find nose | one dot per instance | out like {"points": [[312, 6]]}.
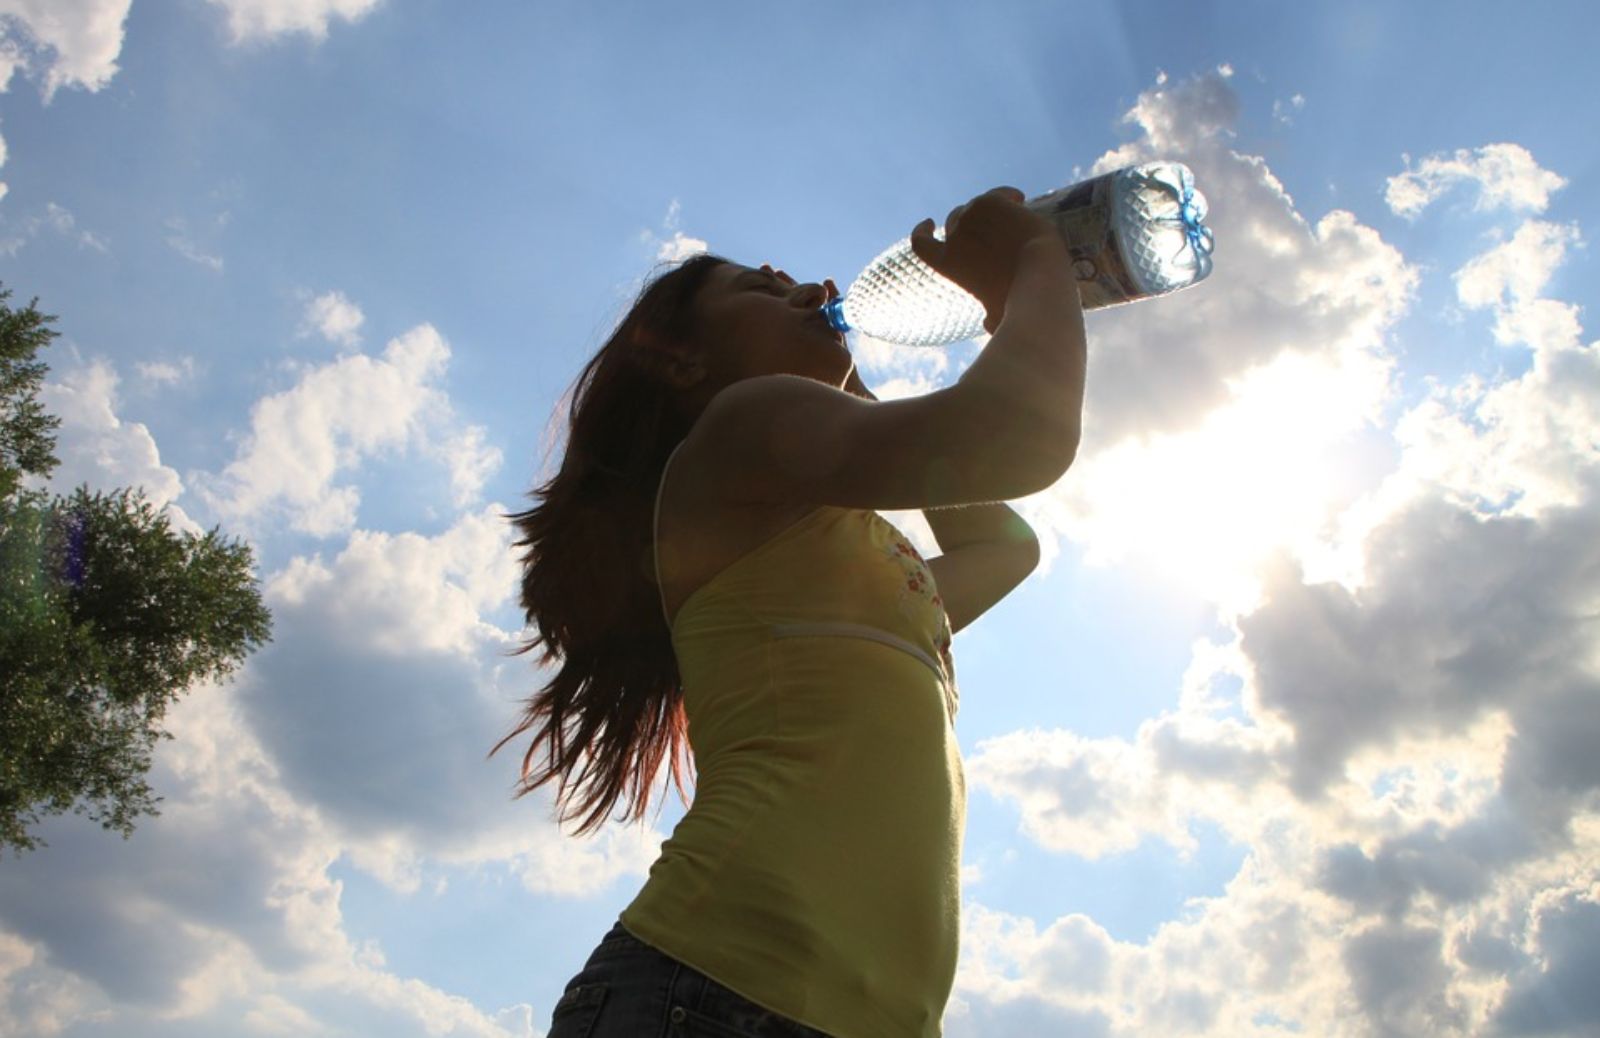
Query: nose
{"points": [[809, 296]]}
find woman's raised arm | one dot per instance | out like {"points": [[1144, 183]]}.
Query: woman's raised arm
{"points": [[1007, 428]]}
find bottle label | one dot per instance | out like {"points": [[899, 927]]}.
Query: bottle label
{"points": [[1083, 214]]}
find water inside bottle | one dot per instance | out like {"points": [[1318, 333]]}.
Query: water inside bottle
{"points": [[1133, 233]]}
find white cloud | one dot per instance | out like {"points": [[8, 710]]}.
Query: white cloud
{"points": [[182, 241], [408, 592], [57, 219], [1406, 751], [167, 373], [65, 224], [1522, 446], [11, 60], [388, 647], [1555, 989], [1430, 644], [1180, 119], [1067, 967], [336, 417], [1094, 798], [1440, 729], [1505, 174], [393, 632], [98, 448], [1417, 671], [1281, 109], [1275, 954], [469, 459], [893, 371], [34, 998], [336, 318], [399, 619], [357, 737], [64, 44], [268, 19], [59, 44], [1280, 285], [678, 246], [1509, 277], [1220, 971], [1455, 689], [1206, 507], [1519, 268], [1226, 421], [1081, 796], [243, 935]]}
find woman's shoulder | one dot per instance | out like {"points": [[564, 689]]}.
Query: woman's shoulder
{"points": [[695, 491], [700, 530]]}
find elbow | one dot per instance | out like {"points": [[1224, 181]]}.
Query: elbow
{"points": [[1070, 455], [1019, 450], [1020, 467], [1048, 459], [1028, 554], [1067, 452]]}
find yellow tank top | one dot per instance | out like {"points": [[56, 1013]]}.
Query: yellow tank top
{"points": [[817, 870]]}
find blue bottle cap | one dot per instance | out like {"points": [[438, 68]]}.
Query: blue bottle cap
{"points": [[833, 309]]}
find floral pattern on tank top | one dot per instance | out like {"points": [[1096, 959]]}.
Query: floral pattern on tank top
{"points": [[919, 584]]}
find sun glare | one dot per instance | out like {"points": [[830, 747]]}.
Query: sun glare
{"points": [[1265, 474]]}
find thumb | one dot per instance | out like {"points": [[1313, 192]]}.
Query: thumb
{"points": [[924, 245]]}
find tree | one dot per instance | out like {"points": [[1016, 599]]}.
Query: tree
{"points": [[27, 434], [107, 616]]}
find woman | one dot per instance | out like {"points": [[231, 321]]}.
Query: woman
{"points": [[708, 562]]}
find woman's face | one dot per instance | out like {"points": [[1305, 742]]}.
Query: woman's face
{"points": [[758, 321]]}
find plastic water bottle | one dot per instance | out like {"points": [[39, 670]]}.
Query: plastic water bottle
{"points": [[1133, 233]]}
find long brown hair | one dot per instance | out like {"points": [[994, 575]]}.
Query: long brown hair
{"points": [[588, 582]]}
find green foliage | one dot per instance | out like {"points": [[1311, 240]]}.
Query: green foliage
{"points": [[27, 434], [107, 616]]}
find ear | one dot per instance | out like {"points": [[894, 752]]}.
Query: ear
{"points": [[682, 370], [681, 367]]}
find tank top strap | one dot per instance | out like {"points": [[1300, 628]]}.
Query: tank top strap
{"points": [[655, 531]]}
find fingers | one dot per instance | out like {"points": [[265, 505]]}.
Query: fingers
{"points": [[924, 245], [955, 216]]}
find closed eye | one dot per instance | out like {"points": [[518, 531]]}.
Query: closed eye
{"points": [[770, 284], [765, 281]]}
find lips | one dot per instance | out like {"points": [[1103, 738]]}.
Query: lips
{"points": [[821, 320]]}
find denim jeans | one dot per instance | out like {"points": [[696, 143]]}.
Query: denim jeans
{"points": [[628, 989]]}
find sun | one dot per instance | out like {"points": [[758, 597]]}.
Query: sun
{"points": [[1266, 473]]}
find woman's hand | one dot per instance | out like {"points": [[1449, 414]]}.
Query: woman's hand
{"points": [[983, 242]]}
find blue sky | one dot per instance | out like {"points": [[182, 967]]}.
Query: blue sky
{"points": [[1291, 735]]}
